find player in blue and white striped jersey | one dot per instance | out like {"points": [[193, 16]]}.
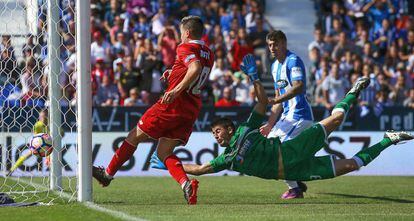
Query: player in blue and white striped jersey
{"points": [[289, 75]]}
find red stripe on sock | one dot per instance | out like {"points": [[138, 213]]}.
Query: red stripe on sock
{"points": [[122, 155], [175, 168]]}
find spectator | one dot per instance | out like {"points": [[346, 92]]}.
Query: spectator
{"points": [[408, 47], [6, 45], [9, 70], [117, 27], [30, 48], [227, 100], [240, 87], [227, 19], [217, 74], [252, 17], [391, 61], [241, 47], [251, 100], [129, 78], [32, 84], [346, 65], [319, 42], [341, 47], [397, 94], [409, 101], [379, 12], [339, 17], [384, 36], [159, 20], [110, 17], [334, 87], [122, 44], [99, 71], [148, 62], [133, 99], [382, 102], [354, 8], [258, 37], [367, 97], [100, 48], [107, 93], [142, 27], [167, 44]]}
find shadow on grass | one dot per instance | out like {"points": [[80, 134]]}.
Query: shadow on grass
{"points": [[369, 197]]}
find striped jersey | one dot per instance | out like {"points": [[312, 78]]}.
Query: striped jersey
{"points": [[292, 69]]}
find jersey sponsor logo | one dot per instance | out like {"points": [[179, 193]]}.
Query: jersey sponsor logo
{"points": [[140, 122], [189, 57], [205, 54], [296, 72], [281, 84]]}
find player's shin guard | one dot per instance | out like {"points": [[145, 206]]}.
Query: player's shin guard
{"points": [[365, 156], [345, 104], [123, 154], [175, 168]]}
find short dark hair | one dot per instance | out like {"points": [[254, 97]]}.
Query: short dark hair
{"points": [[194, 24], [276, 35], [224, 122]]}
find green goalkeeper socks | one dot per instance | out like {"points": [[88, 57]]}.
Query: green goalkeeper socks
{"points": [[369, 154], [345, 104]]}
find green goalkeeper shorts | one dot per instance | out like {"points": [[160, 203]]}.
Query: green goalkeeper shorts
{"points": [[299, 160]]}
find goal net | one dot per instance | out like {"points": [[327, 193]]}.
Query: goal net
{"points": [[38, 93]]}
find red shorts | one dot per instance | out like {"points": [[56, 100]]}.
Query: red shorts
{"points": [[163, 120]]}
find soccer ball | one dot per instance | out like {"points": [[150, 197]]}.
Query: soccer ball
{"points": [[41, 145]]}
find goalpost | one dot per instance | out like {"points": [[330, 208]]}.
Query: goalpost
{"points": [[44, 70]]}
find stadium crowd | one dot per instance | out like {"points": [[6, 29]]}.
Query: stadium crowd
{"points": [[354, 38], [134, 42]]}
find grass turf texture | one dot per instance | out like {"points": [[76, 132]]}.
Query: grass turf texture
{"points": [[239, 198]]}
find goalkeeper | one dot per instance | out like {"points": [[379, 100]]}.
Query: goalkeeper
{"points": [[248, 152]]}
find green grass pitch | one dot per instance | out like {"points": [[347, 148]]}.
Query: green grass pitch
{"points": [[238, 198]]}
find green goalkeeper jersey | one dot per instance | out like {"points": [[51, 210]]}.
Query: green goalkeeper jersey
{"points": [[249, 152]]}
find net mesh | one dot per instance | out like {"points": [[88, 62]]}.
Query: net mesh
{"points": [[24, 98]]}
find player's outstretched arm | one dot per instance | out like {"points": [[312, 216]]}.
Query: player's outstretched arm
{"points": [[194, 70], [198, 170], [249, 67], [192, 169]]}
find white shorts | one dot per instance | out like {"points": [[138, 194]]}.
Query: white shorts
{"points": [[287, 129]]}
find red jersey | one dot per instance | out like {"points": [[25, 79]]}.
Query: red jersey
{"points": [[194, 50], [175, 120]]}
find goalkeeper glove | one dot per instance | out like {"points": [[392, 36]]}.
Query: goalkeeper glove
{"points": [[249, 67], [156, 162]]}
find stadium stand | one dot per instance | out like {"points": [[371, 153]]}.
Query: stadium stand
{"points": [[354, 38], [133, 42]]}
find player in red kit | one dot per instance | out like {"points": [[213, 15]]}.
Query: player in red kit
{"points": [[171, 119]]}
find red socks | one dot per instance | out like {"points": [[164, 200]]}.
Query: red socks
{"points": [[121, 156], [176, 169]]}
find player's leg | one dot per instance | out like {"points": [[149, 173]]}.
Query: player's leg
{"points": [[126, 150], [366, 155], [286, 130], [165, 150], [341, 109], [122, 154], [325, 167]]}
